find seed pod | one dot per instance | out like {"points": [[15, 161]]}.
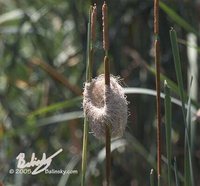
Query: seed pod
{"points": [[105, 105], [93, 22]]}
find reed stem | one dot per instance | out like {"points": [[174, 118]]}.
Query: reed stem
{"points": [[88, 79], [107, 85], [157, 63]]}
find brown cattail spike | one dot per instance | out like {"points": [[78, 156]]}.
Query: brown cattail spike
{"points": [[105, 26], [156, 17], [93, 22]]}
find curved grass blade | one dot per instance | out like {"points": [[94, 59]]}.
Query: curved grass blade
{"points": [[60, 118], [56, 107], [151, 92], [175, 17], [173, 86], [70, 166]]}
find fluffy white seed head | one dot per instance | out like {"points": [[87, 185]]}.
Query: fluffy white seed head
{"points": [[105, 105]]}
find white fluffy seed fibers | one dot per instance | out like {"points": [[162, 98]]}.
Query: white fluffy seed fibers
{"points": [[105, 105]]}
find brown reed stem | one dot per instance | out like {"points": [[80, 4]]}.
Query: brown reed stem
{"points": [[108, 155], [107, 83], [157, 63], [107, 70], [107, 126]]}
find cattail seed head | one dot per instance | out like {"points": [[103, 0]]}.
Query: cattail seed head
{"points": [[93, 22], [105, 105], [105, 26]]}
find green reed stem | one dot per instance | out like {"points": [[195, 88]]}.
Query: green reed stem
{"points": [[88, 79], [168, 126]]}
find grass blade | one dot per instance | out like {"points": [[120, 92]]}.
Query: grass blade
{"points": [[56, 107], [189, 179], [173, 86], [151, 92], [178, 19], [176, 172], [58, 118], [177, 63], [70, 166], [168, 126], [187, 159]]}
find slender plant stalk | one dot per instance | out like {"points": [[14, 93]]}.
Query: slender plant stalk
{"points": [[84, 152], [188, 157], [107, 70], [152, 178], [168, 127], [176, 172], [88, 79], [107, 83], [108, 141], [108, 155], [157, 63]]}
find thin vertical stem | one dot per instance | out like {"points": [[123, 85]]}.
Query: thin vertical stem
{"points": [[176, 172], [168, 127], [88, 79], [107, 85], [107, 126], [84, 152], [157, 63], [107, 70], [108, 153], [152, 178]]}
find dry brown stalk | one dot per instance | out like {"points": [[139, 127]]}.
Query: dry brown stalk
{"points": [[107, 70], [157, 63], [57, 76]]}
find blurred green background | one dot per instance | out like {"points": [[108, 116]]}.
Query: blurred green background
{"points": [[42, 73]]}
